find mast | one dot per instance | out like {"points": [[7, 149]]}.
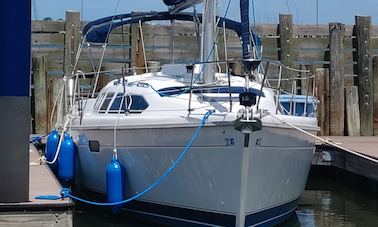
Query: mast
{"points": [[208, 40], [245, 36]]}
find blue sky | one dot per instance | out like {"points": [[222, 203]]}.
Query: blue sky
{"points": [[267, 11]]}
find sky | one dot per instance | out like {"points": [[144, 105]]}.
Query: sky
{"points": [[266, 11]]}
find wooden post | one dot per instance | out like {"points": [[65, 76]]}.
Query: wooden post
{"points": [[364, 72], [53, 94], [172, 42], [322, 85], [336, 78], [136, 48], [71, 41], [303, 82], [39, 64], [71, 44], [311, 81], [103, 80], [375, 80], [286, 54], [352, 113]]}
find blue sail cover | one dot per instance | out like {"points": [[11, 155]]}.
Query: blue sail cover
{"points": [[172, 2], [179, 5], [97, 31], [244, 14]]}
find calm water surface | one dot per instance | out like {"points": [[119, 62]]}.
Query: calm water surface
{"points": [[332, 199]]}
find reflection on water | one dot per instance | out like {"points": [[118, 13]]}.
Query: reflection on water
{"points": [[332, 199], [340, 199]]}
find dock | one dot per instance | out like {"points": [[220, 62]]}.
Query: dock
{"points": [[356, 154], [38, 212]]}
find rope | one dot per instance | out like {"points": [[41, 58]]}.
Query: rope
{"points": [[115, 151], [326, 141], [65, 192], [59, 144], [60, 95], [39, 138]]}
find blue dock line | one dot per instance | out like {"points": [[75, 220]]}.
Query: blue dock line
{"points": [[66, 192], [39, 138]]}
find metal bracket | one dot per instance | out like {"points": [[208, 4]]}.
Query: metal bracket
{"points": [[248, 126]]}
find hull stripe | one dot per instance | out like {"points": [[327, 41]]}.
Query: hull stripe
{"points": [[189, 217], [180, 213], [271, 216]]}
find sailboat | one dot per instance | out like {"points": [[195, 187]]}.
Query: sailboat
{"points": [[249, 163]]}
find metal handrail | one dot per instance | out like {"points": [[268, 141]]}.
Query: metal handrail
{"points": [[264, 79]]}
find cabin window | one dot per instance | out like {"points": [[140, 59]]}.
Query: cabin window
{"points": [[106, 102], [116, 105], [99, 101], [138, 104]]}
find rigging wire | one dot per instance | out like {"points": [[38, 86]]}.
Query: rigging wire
{"points": [[288, 7], [105, 45], [253, 14], [317, 47], [211, 52]]}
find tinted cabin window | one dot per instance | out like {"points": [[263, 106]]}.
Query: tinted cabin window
{"points": [[106, 102], [138, 104], [99, 101], [115, 107]]}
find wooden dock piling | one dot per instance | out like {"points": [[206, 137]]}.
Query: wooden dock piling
{"points": [[322, 82], [364, 72], [375, 89], [352, 112], [39, 67], [71, 41], [336, 78], [286, 48], [136, 50]]}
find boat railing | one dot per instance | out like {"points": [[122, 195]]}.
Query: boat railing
{"points": [[297, 77], [260, 74]]}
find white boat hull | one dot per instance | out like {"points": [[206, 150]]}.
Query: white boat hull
{"points": [[211, 179]]}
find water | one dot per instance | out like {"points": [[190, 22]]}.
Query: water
{"points": [[332, 198], [335, 198]]}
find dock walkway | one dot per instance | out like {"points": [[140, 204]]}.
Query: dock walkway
{"points": [[38, 212], [359, 154]]}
